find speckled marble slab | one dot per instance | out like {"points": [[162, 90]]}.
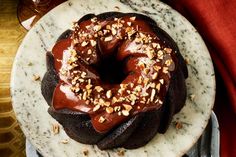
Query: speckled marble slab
{"points": [[31, 108]]}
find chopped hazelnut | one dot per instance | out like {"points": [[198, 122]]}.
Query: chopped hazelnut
{"points": [[158, 86], [161, 81], [168, 50], [132, 18], [125, 112], [109, 110], [83, 74], [117, 108], [84, 43], [93, 42], [146, 71], [154, 76], [55, 129], [85, 152], [109, 38], [36, 77], [98, 88], [157, 68], [97, 28], [113, 31], [65, 141], [152, 95], [89, 52], [117, 8], [97, 107], [127, 107], [168, 62], [165, 70], [107, 103], [101, 119], [109, 94]]}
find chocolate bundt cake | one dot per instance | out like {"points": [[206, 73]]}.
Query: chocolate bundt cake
{"points": [[114, 80]]}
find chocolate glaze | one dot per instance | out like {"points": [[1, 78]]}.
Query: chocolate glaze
{"points": [[125, 48], [146, 122]]}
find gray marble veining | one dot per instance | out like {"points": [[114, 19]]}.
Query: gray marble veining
{"points": [[31, 108]]}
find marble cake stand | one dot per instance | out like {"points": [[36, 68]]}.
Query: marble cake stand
{"points": [[31, 108]]}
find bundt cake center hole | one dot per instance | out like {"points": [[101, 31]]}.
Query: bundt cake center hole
{"points": [[111, 70]]}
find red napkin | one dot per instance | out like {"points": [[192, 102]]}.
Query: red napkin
{"points": [[216, 22]]}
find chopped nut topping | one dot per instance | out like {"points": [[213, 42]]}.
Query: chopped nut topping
{"points": [[114, 99], [117, 8], [89, 52], [88, 86], [65, 141], [127, 107], [98, 88], [165, 70], [109, 110], [85, 152], [161, 81], [83, 74], [97, 28], [109, 94], [109, 38], [129, 23], [36, 77], [146, 71], [107, 103], [168, 62], [120, 152], [101, 119], [55, 129], [93, 42], [84, 95], [138, 88], [155, 45], [153, 85], [108, 27], [105, 31], [97, 107], [84, 43], [132, 18], [157, 68], [152, 95], [154, 76], [150, 54], [101, 101], [168, 50], [158, 86], [140, 80], [160, 54], [146, 80], [117, 108], [81, 80], [125, 112], [94, 19], [113, 31], [160, 102]]}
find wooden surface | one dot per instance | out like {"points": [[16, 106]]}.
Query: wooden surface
{"points": [[11, 34]]}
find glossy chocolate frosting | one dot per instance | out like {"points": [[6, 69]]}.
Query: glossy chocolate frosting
{"points": [[132, 44]]}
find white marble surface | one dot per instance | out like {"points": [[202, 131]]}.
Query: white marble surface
{"points": [[31, 108]]}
